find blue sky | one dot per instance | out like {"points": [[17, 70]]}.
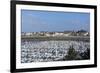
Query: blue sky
{"points": [[36, 21]]}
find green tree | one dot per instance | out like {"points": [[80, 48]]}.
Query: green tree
{"points": [[71, 54]]}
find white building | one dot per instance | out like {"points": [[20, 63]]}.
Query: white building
{"points": [[28, 34]]}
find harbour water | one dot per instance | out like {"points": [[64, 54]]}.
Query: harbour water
{"points": [[46, 51]]}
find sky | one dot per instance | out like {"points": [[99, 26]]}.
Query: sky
{"points": [[52, 21]]}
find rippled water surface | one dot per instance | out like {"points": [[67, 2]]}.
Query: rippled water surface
{"points": [[45, 51]]}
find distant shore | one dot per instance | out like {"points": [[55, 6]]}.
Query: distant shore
{"points": [[44, 38]]}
